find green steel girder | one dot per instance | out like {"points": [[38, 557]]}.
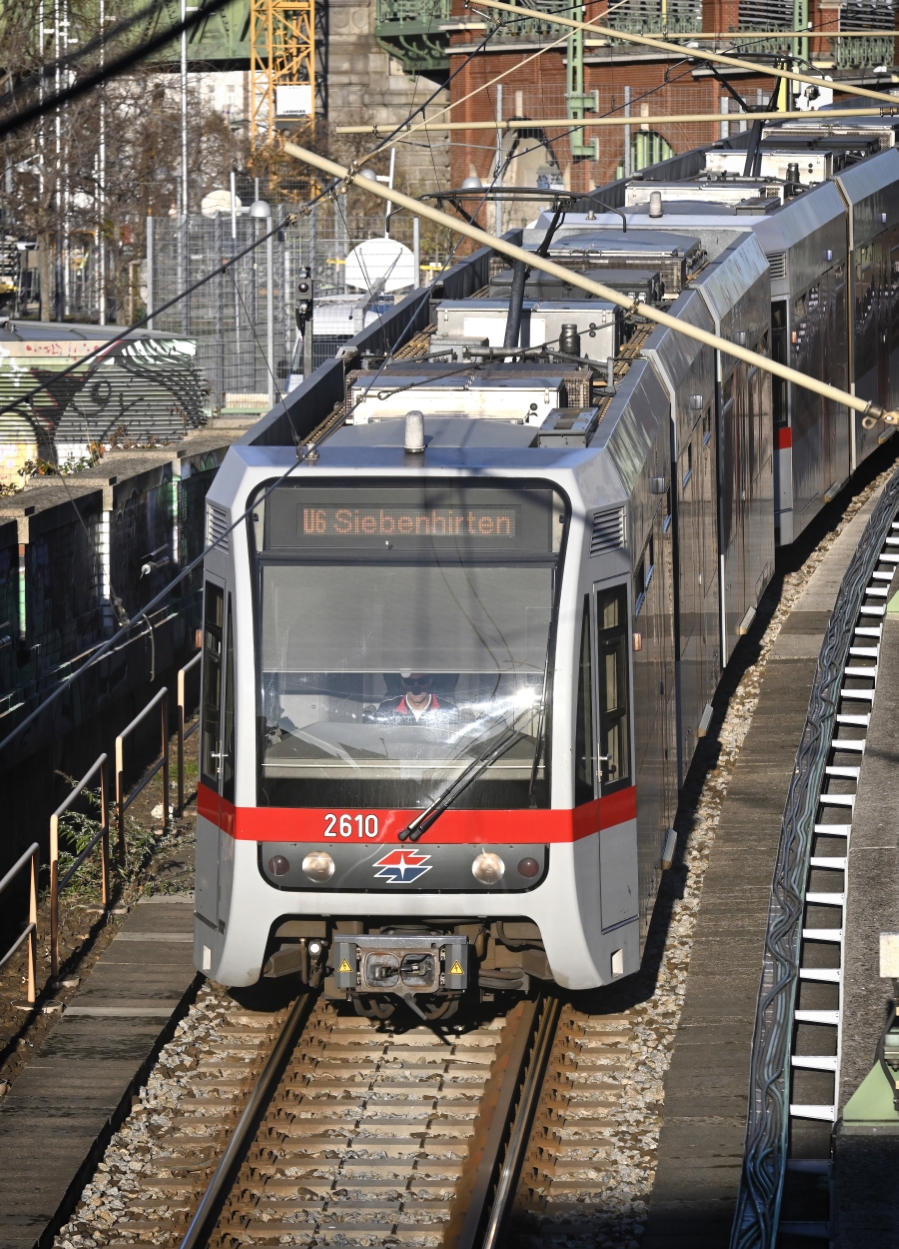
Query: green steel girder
{"points": [[409, 30]]}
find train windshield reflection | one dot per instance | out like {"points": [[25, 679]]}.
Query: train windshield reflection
{"points": [[388, 667]]}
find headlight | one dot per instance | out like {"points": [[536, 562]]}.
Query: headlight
{"points": [[279, 866], [318, 866], [488, 868]]}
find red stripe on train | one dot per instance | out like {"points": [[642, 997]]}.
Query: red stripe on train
{"points": [[459, 827], [784, 437]]}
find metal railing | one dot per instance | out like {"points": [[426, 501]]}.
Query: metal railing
{"points": [[123, 802], [32, 855], [101, 837], [765, 1151], [184, 734]]}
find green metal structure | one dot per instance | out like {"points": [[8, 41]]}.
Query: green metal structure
{"points": [[410, 31]]}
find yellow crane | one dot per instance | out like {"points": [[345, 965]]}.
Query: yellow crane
{"points": [[282, 67]]}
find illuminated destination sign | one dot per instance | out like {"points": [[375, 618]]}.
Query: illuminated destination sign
{"points": [[415, 521], [471, 523]]}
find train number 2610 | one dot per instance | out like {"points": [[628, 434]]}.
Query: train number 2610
{"points": [[347, 825]]}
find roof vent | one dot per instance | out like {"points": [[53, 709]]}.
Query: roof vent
{"points": [[608, 532], [777, 263], [216, 526]]}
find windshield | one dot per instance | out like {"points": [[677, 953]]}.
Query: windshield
{"points": [[404, 630]]}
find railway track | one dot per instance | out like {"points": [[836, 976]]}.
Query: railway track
{"points": [[531, 1128], [317, 1125]]}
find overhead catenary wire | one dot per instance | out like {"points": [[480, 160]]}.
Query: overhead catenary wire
{"points": [[580, 281], [72, 60], [551, 123], [112, 68]]}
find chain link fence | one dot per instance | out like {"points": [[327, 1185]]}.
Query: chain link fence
{"points": [[243, 321]]}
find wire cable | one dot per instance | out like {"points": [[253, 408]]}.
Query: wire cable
{"points": [[72, 59], [112, 69]]}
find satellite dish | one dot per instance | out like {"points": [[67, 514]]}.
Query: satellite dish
{"points": [[378, 260], [218, 201]]}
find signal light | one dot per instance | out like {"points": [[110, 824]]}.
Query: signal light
{"points": [[279, 866], [528, 868], [305, 297]]}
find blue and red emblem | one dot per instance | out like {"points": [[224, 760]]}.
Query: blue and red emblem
{"points": [[401, 867]]}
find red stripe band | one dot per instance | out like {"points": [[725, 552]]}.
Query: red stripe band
{"points": [[454, 827]]}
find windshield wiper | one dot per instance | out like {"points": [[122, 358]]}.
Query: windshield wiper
{"points": [[420, 825]]}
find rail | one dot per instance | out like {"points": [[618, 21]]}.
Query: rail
{"points": [[202, 1223], [493, 1189], [184, 734], [765, 1152], [101, 837], [32, 855], [160, 700]]}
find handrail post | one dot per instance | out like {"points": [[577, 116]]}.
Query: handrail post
{"points": [[32, 919], [164, 719], [181, 704], [120, 798], [54, 896], [104, 843]]}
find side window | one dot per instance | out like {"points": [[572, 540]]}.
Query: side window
{"points": [[228, 722], [584, 751], [612, 659], [210, 746]]}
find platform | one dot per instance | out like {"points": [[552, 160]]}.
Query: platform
{"points": [[701, 1141], [70, 1094]]}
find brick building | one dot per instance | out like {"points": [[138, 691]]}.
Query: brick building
{"points": [[549, 73]]}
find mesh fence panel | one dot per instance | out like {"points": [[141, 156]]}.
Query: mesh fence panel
{"points": [[228, 317]]}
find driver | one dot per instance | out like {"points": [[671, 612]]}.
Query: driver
{"points": [[417, 701]]}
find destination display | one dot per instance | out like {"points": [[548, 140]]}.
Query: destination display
{"points": [[483, 522], [398, 521]]}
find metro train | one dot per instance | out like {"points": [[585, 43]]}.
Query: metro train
{"points": [[456, 663]]}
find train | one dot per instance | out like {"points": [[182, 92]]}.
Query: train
{"points": [[459, 650]]}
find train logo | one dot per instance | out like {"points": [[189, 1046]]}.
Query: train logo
{"points": [[401, 867]]}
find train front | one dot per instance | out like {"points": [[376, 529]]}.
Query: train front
{"points": [[387, 759]]}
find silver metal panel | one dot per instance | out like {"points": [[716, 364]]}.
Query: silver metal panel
{"points": [[737, 290], [871, 191], [811, 232], [635, 435], [805, 229], [688, 371]]}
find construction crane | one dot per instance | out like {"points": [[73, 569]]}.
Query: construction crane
{"points": [[282, 67]]}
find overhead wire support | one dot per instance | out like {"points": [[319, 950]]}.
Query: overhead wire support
{"points": [[869, 411]]}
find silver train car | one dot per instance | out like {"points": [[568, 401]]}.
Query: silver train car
{"points": [[458, 659]]}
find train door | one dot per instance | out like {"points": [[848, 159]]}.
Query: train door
{"points": [[708, 562], [216, 747], [883, 270], [610, 692], [837, 337], [732, 495], [689, 555], [892, 278]]}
